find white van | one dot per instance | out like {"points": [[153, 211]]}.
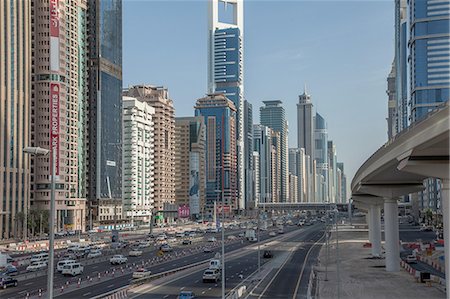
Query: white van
{"points": [[41, 257], [61, 264], [72, 269]]}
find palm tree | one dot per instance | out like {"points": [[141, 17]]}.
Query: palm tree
{"points": [[19, 218]]}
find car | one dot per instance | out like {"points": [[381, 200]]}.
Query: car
{"points": [[135, 253], [231, 237], [144, 244], [71, 233], [68, 256], [166, 248], [211, 275], [207, 250], [268, 254], [212, 239], [241, 235], [411, 259], [280, 231], [141, 273], [72, 269], [151, 235], [179, 235], [252, 239], [186, 242], [426, 229], [61, 234], [9, 270], [94, 254], [36, 266], [40, 257], [118, 259], [60, 265], [172, 240], [186, 295], [7, 281], [272, 234]]}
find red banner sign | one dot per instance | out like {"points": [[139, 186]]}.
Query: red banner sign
{"points": [[183, 211], [54, 18], [226, 209], [54, 123]]}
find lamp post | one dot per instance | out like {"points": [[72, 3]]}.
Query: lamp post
{"points": [[223, 243], [336, 215], [38, 151]]}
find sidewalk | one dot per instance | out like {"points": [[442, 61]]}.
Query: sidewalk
{"points": [[363, 277]]}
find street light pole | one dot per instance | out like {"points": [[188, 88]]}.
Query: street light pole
{"points": [[223, 246], [259, 247]]}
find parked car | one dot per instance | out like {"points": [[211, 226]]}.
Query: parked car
{"points": [[267, 254], [118, 259], [36, 266], [411, 259], [135, 253], [9, 270], [186, 295], [186, 242], [60, 265], [7, 281], [141, 273], [73, 269]]}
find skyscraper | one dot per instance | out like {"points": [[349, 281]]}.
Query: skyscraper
{"points": [[15, 105], [164, 120], [58, 104], [305, 124], [321, 156], [332, 171], [392, 104], [400, 65], [226, 68], [105, 107], [298, 168], [190, 179], [262, 144], [138, 161], [273, 116], [221, 160], [248, 147]]}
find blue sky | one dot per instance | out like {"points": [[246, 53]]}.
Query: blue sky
{"points": [[342, 51]]}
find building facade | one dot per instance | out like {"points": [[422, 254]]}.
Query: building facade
{"points": [[402, 114], [226, 69], [321, 157], [297, 167], [59, 99], [248, 155], [293, 188], [273, 115], [305, 124], [256, 185], [220, 116], [15, 127], [138, 161], [263, 145], [105, 111], [392, 104], [190, 179], [164, 139]]}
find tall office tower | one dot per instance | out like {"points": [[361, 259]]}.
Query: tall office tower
{"points": [[59, 89], [298, 168], [190, 179], [429, 70], [343, 182], [305, 124], [276, 166], [273, 116], [256, 183], [105, 109], [138, 161], [262, 144], [226, 69], [321, 155], [332, 169], [293, 188], [400, 65], [309, 180], [339, 186], [248, 155], [15, 97], [221, 160], [164, 120], [392, 104]]}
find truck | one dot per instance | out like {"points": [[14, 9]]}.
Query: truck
{"points": [[250, 234], [215, 263]]}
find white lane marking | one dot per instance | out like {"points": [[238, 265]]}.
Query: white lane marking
{"points": [[197, 280], [166, 296], [94, 267], [23, 292], [86, 294], [182, 288], [203, 292], [28, 283], [209, 289], [110, 286]]}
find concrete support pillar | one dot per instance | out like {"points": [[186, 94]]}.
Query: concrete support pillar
{"points": [[445, 202], [391, 235], [369, 226], [375, 223]]}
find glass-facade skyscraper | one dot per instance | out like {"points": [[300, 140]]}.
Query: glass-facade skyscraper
{"points": [[226, 70], [105, 103]]}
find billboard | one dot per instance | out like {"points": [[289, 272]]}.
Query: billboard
{"points": [[194, 182], [54, 123], [183, 211], [54, 35]]}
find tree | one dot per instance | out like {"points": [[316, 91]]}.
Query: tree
{"points": [[429, 216], [19, 219]]}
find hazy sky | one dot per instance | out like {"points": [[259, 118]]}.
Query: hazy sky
{"points": [[342, 51]]}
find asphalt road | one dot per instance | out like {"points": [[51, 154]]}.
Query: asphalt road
{"points": [[244, 265]]}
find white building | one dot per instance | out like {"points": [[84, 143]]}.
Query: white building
{"points": [[138, 160]]}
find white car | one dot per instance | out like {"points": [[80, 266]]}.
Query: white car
{"points": [[212, 239], [144, 244], [231, 237], [72, 269], [241, 235], [141, 273], [411, 259], [272, 234], [60, 265], [118, 259], [135, 253], [36, 266], [94, 254], [207, 250], [166, 248]]}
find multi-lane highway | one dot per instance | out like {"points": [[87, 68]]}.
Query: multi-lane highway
{"points": [[281, 282]]}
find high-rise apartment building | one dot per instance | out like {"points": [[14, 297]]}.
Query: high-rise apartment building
{"points": [[273, 115], [332, 171], [321, 156], [293, 188], [256, 185], [190, 179], [220, 116], [164, 121], [298, 168], [305, 124], [59, 100], [248, 155], [138, 161], [343, 183], [105, 110], [263, 145], [15, 105], [226, 69], [400, 65], [392, 104]]}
